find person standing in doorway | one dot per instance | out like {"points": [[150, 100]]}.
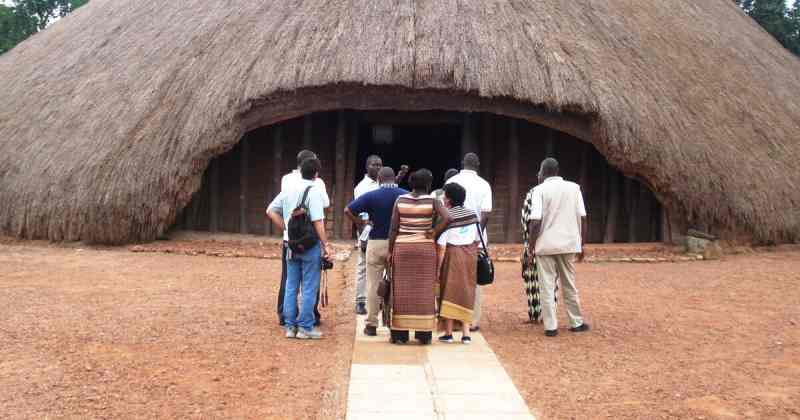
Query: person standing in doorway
{"points": [[303, 267], [478, 200], [289, 182], [557, 228], [379, 204], [368, 184]]}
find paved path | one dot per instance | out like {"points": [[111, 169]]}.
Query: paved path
{"points": [[439, 381]]}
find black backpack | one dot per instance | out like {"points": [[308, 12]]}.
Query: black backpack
{"points": [[302, 235]]}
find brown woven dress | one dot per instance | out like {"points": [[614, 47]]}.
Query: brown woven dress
{"points": [[414, 268]]}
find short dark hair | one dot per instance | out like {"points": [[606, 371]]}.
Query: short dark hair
{"points": [[303, 155], [455, 193], [421, 179], [450, 173], [471, 161], [309, 168]]}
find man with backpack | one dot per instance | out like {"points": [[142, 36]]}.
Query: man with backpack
{"points": [[300, 208]]}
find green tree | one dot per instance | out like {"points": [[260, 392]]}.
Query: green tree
{"points": [[24, 18], [773, 15]]}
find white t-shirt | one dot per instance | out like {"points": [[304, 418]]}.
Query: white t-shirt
{"points": [[292, 181], [559, 205], [479, 193], [463, 235], [366, 185]]}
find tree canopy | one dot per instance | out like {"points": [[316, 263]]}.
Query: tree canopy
{"points": [[23, 18], [776, 18]]}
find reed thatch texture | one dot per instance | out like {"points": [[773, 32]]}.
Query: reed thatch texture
{"points": [[110, 116]]}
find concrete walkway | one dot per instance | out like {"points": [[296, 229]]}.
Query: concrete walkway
{"points": [[439, 381]]}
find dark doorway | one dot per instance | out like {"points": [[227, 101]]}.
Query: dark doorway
{"points": [[433, 146]]}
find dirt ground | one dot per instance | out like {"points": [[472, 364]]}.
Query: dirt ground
{"points": [[699, 340], [116, 334]]}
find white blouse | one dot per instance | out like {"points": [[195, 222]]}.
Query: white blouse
{"points": [[463, 235]]}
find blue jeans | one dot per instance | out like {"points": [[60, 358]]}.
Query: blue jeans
{"points": [[302, 271]]}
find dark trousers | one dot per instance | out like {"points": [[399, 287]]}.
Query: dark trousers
{"points": [[282, 291]]}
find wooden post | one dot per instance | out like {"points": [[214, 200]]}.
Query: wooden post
{"points": [[468, 135], [613, 207], [513, 183], [549, 143], [213, 222], [277, 168], [340, 176], [632, 199], [487, 141], [244, 156], [307, 131], [351, 168]]}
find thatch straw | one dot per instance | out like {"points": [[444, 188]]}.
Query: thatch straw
{"points": [[109, 117]]}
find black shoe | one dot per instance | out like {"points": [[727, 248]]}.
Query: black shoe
{"points": [[361, 308], [580, 328], [317, 322], [371, 330], [466, 340], [551, 333], [446, 338], [475, 328]]}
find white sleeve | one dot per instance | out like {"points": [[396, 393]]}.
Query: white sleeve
{"points": [[277, 203], [486, 202], [442, 241], [536, 205], [285, 182], [581, 207], [326, 201]]}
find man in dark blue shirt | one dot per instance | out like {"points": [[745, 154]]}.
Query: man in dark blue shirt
{"points": [[379, 204]]}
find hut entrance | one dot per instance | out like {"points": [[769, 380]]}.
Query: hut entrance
{"points": [[239, 183], [432, 144]]}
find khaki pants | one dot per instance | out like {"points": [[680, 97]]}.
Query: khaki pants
{"points": [[549, 268], [377, 251]]}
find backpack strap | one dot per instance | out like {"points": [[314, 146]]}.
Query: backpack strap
{"points": [[302, 201]]}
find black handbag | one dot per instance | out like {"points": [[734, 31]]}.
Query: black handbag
{"points": [[485, 266]]}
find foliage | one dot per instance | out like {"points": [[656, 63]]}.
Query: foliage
{"points": [[776, 18], [24, 18]]}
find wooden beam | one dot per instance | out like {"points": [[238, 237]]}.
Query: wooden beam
{"points": [[340, 175], [549, 143], [277, 168], [244, 156], [411, 118], [351, 168], [613, 206], [468, 144], [632, 201], [487, 141], [308, 131], [213, 222], [513, 219]]}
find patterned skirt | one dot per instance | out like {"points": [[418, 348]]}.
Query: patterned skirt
{"points": [[459, 275], [413, 280]]}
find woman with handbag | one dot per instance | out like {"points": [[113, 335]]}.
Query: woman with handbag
{"points": [[458, 256], [412, 254]]}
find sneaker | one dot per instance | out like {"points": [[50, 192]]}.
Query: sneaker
{"points": [[475, 328], [466, 340], [361, 308], [446, 338], [580, 328], [370, 330], [551, 333], [291, 332], [312, 334]]}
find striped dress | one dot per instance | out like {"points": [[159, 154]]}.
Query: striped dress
{"points": [[414, 269]]}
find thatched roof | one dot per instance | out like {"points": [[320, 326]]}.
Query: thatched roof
{"points": [[109, 117]]}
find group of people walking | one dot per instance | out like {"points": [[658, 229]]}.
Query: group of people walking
{"points": [[425, 245]]}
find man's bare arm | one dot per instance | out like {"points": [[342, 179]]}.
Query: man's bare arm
{"points": [[276, 219], [484, 219], [533, 234], [319, 226]]}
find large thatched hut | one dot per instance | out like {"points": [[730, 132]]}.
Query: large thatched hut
{"points": [[129, 118]]}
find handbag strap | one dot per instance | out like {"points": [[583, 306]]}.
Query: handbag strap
{"points": [[480, 234]]}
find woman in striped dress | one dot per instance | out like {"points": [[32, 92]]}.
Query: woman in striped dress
{"points": [[413, 254]]}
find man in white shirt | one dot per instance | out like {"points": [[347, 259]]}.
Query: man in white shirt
{"points": [[558, 228], [479, 200], [289, 182], [369, 183]]}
